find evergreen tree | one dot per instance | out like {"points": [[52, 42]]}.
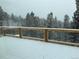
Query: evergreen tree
{"points": [[3, 16], [49, 20], [32, 14], [1, 13], [55, 23], [27, 19], [66, 21]]}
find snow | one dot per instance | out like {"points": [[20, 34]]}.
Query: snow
{"points": [[16, 48]]}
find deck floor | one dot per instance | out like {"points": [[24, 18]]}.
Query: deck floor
{"points": [[16, 48]]}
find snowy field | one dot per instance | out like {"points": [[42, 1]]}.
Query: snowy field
{"points": [[15, 48]]}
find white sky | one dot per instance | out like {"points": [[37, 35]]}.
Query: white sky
{"points": [[40, 7]]}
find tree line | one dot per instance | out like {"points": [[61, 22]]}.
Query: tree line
{"points": [[34, 21]]}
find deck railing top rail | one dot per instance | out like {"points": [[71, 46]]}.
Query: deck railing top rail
{"points": [[42, 28]]}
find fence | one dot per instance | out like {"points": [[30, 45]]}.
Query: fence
{"points": [[19, 30]]}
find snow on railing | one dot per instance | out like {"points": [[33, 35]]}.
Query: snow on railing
{"points": [[45, 30]]}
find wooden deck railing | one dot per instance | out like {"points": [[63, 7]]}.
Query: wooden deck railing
{"points": [[45, 30]]}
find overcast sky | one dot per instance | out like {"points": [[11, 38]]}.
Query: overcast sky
{"points": [[40, 7]]}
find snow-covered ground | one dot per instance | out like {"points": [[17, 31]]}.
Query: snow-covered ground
{"points": [[15, 48]]}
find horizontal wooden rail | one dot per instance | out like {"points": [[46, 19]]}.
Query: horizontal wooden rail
{"points": [[45, 30], [40, 28]]}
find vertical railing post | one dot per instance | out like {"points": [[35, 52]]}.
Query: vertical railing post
{"points": [[46, 35], [1, 31], [4, 31], [20, 32]]}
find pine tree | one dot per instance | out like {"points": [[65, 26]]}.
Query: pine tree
{"points": [[49, 20], [3, 17], [66, 21]]}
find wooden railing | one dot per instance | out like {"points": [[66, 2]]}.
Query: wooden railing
{"points": [[45, 30]]}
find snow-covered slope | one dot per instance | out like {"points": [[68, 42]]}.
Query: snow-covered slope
{"points": [[15, 48]]}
